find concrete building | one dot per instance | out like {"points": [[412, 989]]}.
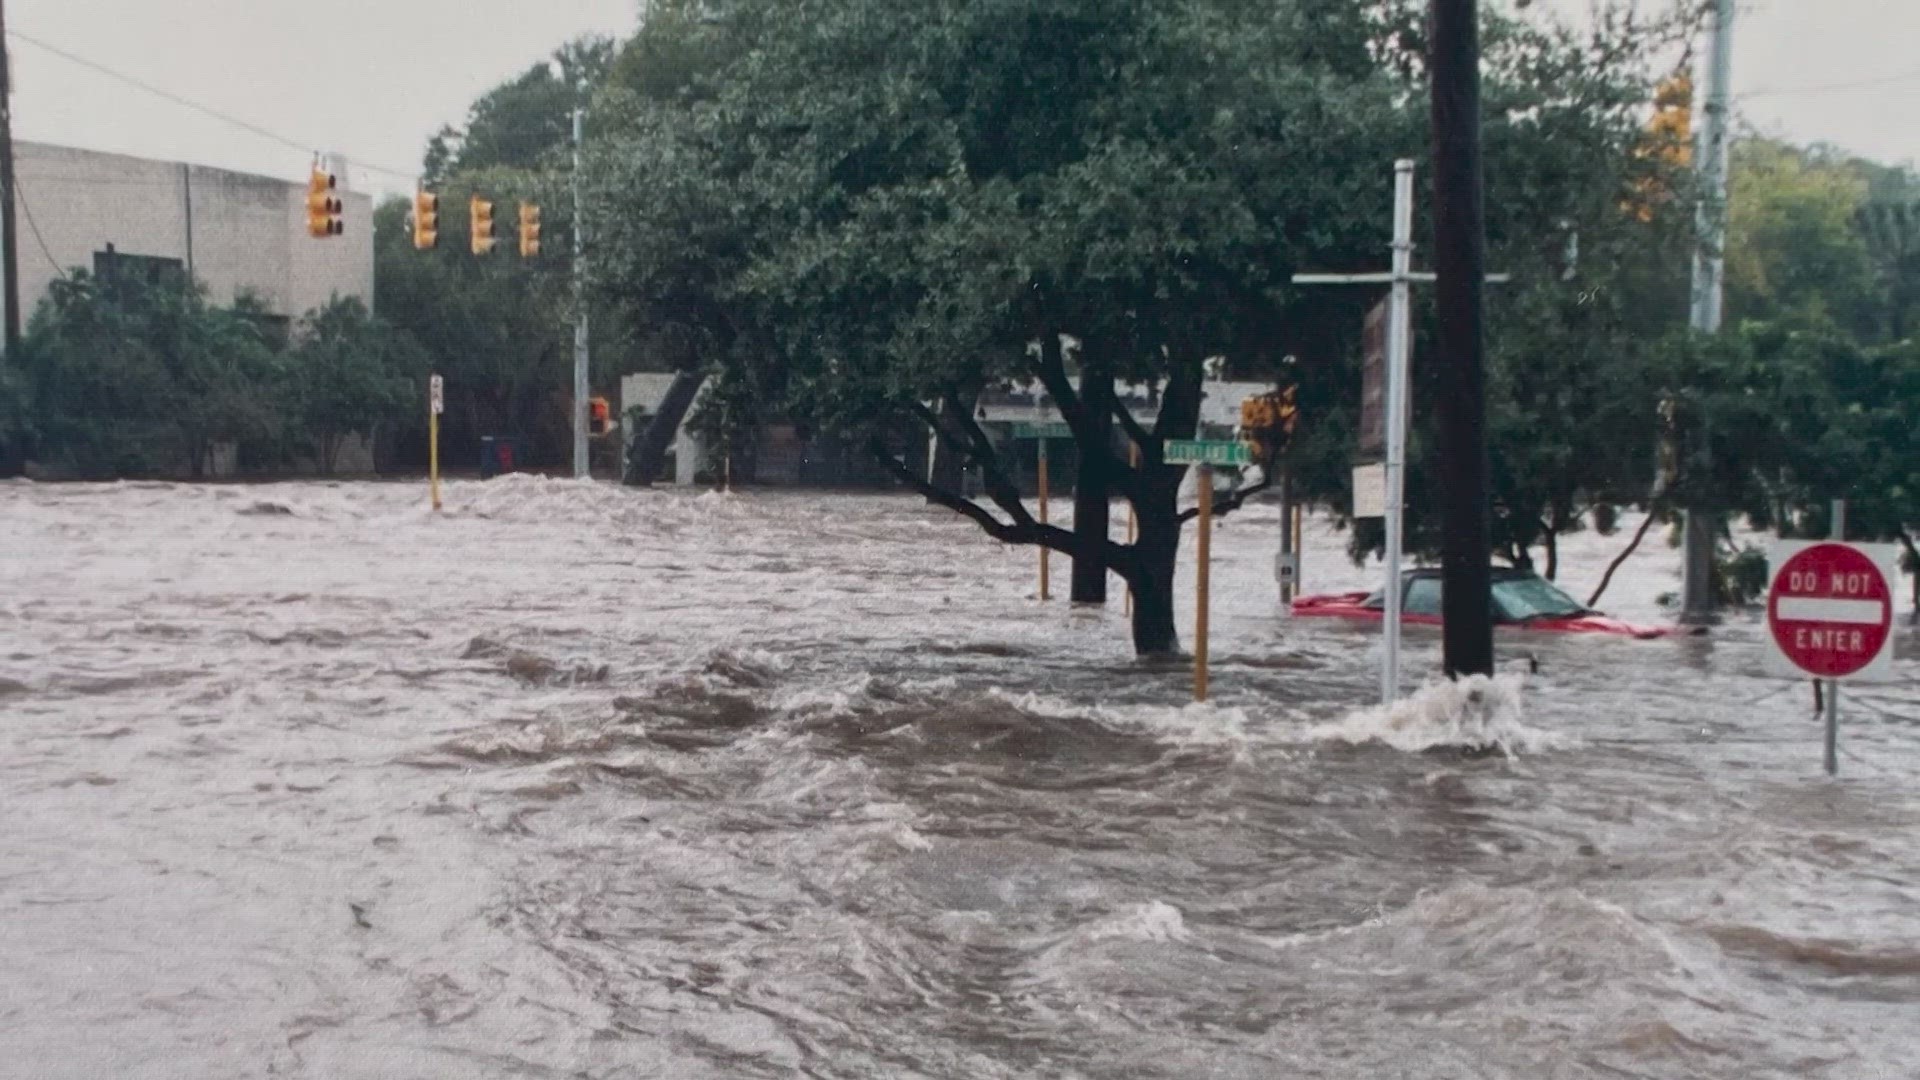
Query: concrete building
{"points": [[232, 231]]}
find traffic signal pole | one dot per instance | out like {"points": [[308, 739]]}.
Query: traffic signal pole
{"points": [[1460, 267], [581, 468]]}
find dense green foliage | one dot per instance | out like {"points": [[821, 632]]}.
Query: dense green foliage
{"points": [[138, 377], [876, 208]]}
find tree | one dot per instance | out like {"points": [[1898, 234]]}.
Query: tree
{"points": [[499, 329], [348, 372], [1794, 250], [135, 375], [880, 210], [521, 123]]}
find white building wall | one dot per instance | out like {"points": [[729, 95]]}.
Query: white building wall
{"points": [[236, 231]]}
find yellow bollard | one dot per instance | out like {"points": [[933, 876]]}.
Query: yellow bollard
{"points": [[1202, 554], [1043, 517], [436, 404]]}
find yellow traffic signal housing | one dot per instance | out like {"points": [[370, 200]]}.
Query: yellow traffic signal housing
{"points": [[529, 230], [1668, 139], [1267, 421], [1672, 123], [480, 225], [426, 220], [323, 206]]}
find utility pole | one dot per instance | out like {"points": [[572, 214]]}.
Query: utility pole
{"points": [[581, 467], [1702, 527], [1460, 267], [9, 247]]}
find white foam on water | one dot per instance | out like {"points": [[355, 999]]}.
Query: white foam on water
{"points": [[1474, 713], [1155, 920], [1196, 724]]}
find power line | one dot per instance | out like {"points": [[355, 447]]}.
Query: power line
{"points": [[21, 194], [1858, 84], [168, 95]]}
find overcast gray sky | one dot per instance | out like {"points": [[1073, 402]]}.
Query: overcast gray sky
{"points": [[381, 76]]}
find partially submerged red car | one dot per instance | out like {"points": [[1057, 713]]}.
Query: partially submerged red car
{"points": [[1521, 598]]}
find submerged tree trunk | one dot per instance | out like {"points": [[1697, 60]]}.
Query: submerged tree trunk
{"points": [[650, 447], [1091, 507], [1157, 550]]}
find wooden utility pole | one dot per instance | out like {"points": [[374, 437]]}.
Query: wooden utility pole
{"points": [[9, 248], [1461, 401]]}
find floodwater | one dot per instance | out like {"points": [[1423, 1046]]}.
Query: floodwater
{"points": [[574, 781]]}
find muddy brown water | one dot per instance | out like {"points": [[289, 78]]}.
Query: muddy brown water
{"points": [[574, 781]]}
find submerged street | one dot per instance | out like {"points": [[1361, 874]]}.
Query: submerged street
{"points": [[575, 780]]}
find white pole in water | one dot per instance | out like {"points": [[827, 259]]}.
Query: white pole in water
{"points": [[1398, 331], [1837, 531], [1399, 363], [1709, 279], [581, 465]]}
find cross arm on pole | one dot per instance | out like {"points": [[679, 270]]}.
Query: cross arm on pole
{"points": [[1383, 278]]}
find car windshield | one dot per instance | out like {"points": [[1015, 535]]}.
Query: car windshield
{"points": [[1526, 598]]}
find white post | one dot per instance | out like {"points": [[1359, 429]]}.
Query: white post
{"points": [[1398, 331], [581, 468], [1837, 530]]}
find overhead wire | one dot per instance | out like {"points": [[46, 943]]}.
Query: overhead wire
{"points": [[1857, 84], [21, 194], [168, 95]]}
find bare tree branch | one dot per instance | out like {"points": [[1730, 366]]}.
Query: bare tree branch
{"points": [[1086, 427], [1000, 487], [1135, 432], [1231, 501], [1639, 535], [1119, 558]]}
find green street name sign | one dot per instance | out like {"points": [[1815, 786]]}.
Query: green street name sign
{"points": [[1057, 429], [1207, 452]]}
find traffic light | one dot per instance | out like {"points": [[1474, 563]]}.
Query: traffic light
{"points": [[323, 206], [1672, 123], [529, 230], [480, 225], [1267, 421], [426, 220], [601, 413], [1668, 141]]}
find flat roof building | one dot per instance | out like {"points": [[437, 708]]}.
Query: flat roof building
{"points": [[233, 232]]}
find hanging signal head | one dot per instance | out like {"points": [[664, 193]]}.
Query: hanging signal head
{"points": [[324, 209], [529, 230], [480, 225], [426, 220]]}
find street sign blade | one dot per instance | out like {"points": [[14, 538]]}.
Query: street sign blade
{"points": [[1207, 452]]}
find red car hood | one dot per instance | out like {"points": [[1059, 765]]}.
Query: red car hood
{"points": [[1353, 606]]}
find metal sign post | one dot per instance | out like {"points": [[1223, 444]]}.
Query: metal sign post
{"points": [[1043, 431], [1392, 478], [1203, 564], [1205, 453]]}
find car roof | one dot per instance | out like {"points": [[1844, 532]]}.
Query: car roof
{"points": [[1500, 573]]}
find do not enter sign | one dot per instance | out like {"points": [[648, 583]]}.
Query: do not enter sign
{"points": [[1830, 608]]}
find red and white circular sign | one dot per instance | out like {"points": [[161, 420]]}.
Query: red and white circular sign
{"points": [[1830, 610]]}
